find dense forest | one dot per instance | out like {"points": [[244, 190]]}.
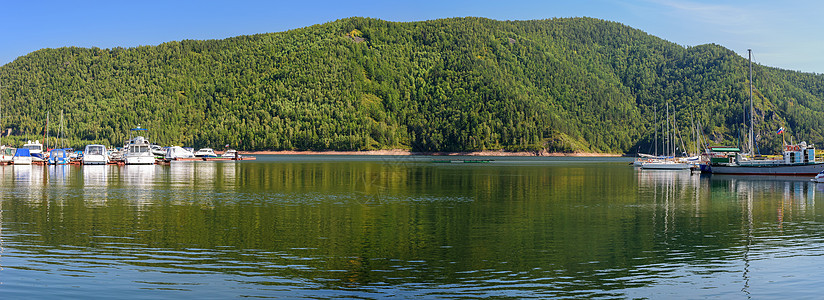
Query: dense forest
{"points": [[463, 84]]}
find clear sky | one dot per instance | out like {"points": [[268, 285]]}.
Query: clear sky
{"points": [[787, 34]]}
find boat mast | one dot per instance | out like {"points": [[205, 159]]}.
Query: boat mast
{"points": [[655, 118], [1, 112], [669, 139], [752, 113], [60, 130], [45, 132]]}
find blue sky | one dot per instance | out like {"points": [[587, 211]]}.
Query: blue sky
{"points": [[786, 34]]}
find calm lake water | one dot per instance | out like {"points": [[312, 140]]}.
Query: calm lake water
{"points": [[405, 227]]}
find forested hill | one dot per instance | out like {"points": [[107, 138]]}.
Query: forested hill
{"points": [[463, 84]]}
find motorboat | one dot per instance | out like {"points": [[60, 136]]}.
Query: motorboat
{"points": [[6, 154], [177, 152], [58, 157], [22, 156], [157, 150], [95, 155], [35, 151], [819, 177], [138, 149], [231, 153], [138, 152], [205, 152]]}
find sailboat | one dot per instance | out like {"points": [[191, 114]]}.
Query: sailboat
{"points": [[798, 159], [667, 163]]}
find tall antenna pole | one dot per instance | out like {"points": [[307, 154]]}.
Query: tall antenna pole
{"points": [[752, 113]]}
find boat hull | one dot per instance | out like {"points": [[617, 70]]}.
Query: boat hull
{"points": [[808, 169], [22, 160], [666, 166], [140, 160], [38, 157], [95, 160]]}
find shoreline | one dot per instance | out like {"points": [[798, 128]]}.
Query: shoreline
{"points": [[400, 152]]}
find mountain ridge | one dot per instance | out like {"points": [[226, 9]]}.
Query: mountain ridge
{"points": [[459, 84]]}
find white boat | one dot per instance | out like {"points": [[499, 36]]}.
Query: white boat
{"points": [[666, 165], [95, 155], [157, 150], [138, 149], [205, 152], [6, 154], [22, 156], [231, 153], [138, 152], [35, 151], [819, 177], [177, 152]]}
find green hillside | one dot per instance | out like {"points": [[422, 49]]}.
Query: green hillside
{"points": [[462, 84]]}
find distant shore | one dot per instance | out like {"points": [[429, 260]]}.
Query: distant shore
{"points": [[407, 152]]}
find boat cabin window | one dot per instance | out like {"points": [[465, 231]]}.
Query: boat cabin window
{"points": [[33, 147], [95, 151], [138, 149]]}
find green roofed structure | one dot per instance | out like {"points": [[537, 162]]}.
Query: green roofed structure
{"points": [[724, 149]]}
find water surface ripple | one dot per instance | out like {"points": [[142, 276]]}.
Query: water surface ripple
{"points": [[405, 227]]}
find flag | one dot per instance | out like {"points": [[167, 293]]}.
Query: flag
{"points": [[227, 145], [780, 130]]}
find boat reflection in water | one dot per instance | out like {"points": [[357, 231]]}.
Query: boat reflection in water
{"points": [[207, 179], [138, 181], [58, 174], [95, 184]]}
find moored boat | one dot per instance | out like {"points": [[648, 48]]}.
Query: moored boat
{"points": [[231, 153], [796, 160], [22, 156], [58, 157], [6, 154], [819, 178], [178, 153], [138, 151], [666, 165], [95, 155], [35, 151], [205, 152]]}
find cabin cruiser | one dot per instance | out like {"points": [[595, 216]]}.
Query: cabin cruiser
{"points": [[58, 157], [6, 154], [138, 152], [95, 155], [35, 151], [22, 156], [205, 152], [177, 152], [231, 153]]}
